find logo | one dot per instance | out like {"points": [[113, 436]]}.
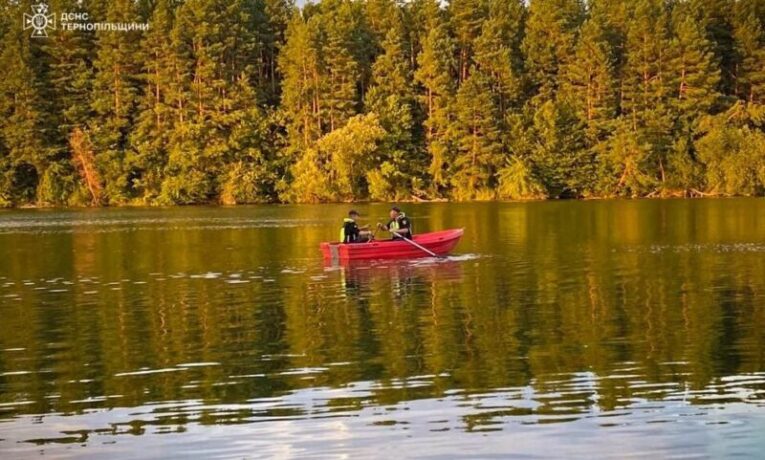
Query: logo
{"points": [[39, 21]]}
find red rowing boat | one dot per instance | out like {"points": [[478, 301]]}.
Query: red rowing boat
{"points": [[441, 243]]}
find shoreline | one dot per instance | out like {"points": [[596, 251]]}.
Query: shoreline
{"points": [[367, 202]]}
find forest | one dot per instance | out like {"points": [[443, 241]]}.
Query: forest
{"points": [[251, 101]]}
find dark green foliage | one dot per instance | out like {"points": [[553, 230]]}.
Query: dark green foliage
{"points": [[694, 73], [114, 100], [477, 133], [559, 155], [401, 162], [498, 55], [733, 150], [549, 42], [589, 82], [436, 75], [750, 53], [241, 101], [26, 152]]}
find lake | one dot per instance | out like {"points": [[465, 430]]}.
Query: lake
{"points": [[570, 329]]}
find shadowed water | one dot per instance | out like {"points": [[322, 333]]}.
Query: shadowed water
{"points": [[557, 329]]}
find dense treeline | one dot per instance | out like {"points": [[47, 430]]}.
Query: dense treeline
{"points": [[239, 101]]}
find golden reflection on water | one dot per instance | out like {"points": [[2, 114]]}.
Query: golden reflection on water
{"points": [[548, 313]]}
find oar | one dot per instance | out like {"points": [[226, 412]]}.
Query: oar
{"points": [[431, 253]]}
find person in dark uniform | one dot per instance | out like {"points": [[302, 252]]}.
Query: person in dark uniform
{"points": [[351, 232], [399, 225]]}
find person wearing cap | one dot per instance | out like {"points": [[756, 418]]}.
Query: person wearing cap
{"points": [[399, 225], [351, 232]]}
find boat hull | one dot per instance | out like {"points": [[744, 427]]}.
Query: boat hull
{"points": [[441, 243]]}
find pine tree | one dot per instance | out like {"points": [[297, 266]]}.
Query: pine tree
{"points": [[479, 145], [420, 17], [559, 154], [646, 87], [694, 74], [301, 64], [252, 169], [715, 17], [613, 17], [392, 97], [467, 18], [391, 72], [277, 17], [497, 52], [549, 42], [222, 83], [626, 166], [383, 16], [249, 168], [24, 127], [70, 54], [114, 99], [62, 62], [588, 83], [344, 71], [750, 47], [693, 80], [435, 73], [150, 138]]}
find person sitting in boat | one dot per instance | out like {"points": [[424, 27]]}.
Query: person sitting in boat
{"points": [[351, 232], [399, 225]]}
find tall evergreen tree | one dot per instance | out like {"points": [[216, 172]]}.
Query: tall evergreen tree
{"points": [[693, 70], [114, 99], [716, 19], [392, 97], [588, 82], [645, 85], [645, 75], [24, 126], [343, 70], [613, 17], [467, 18], [750, 47], [479, 144], [156, 119], [559, 155], [217, 45], [70, 75], [421, 16], [301, 64], [436, 72], [497, 52], [277, 17], [693, 83], [549, 42], [383, 16]]}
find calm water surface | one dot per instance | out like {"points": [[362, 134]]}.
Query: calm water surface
{"points": [[560, 329]]}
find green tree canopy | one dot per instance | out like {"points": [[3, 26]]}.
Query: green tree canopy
{"points": [[240, 101]]}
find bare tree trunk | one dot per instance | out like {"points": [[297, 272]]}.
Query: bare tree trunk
{"points": [[157, 93], [82, 152], [117, 90]]}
